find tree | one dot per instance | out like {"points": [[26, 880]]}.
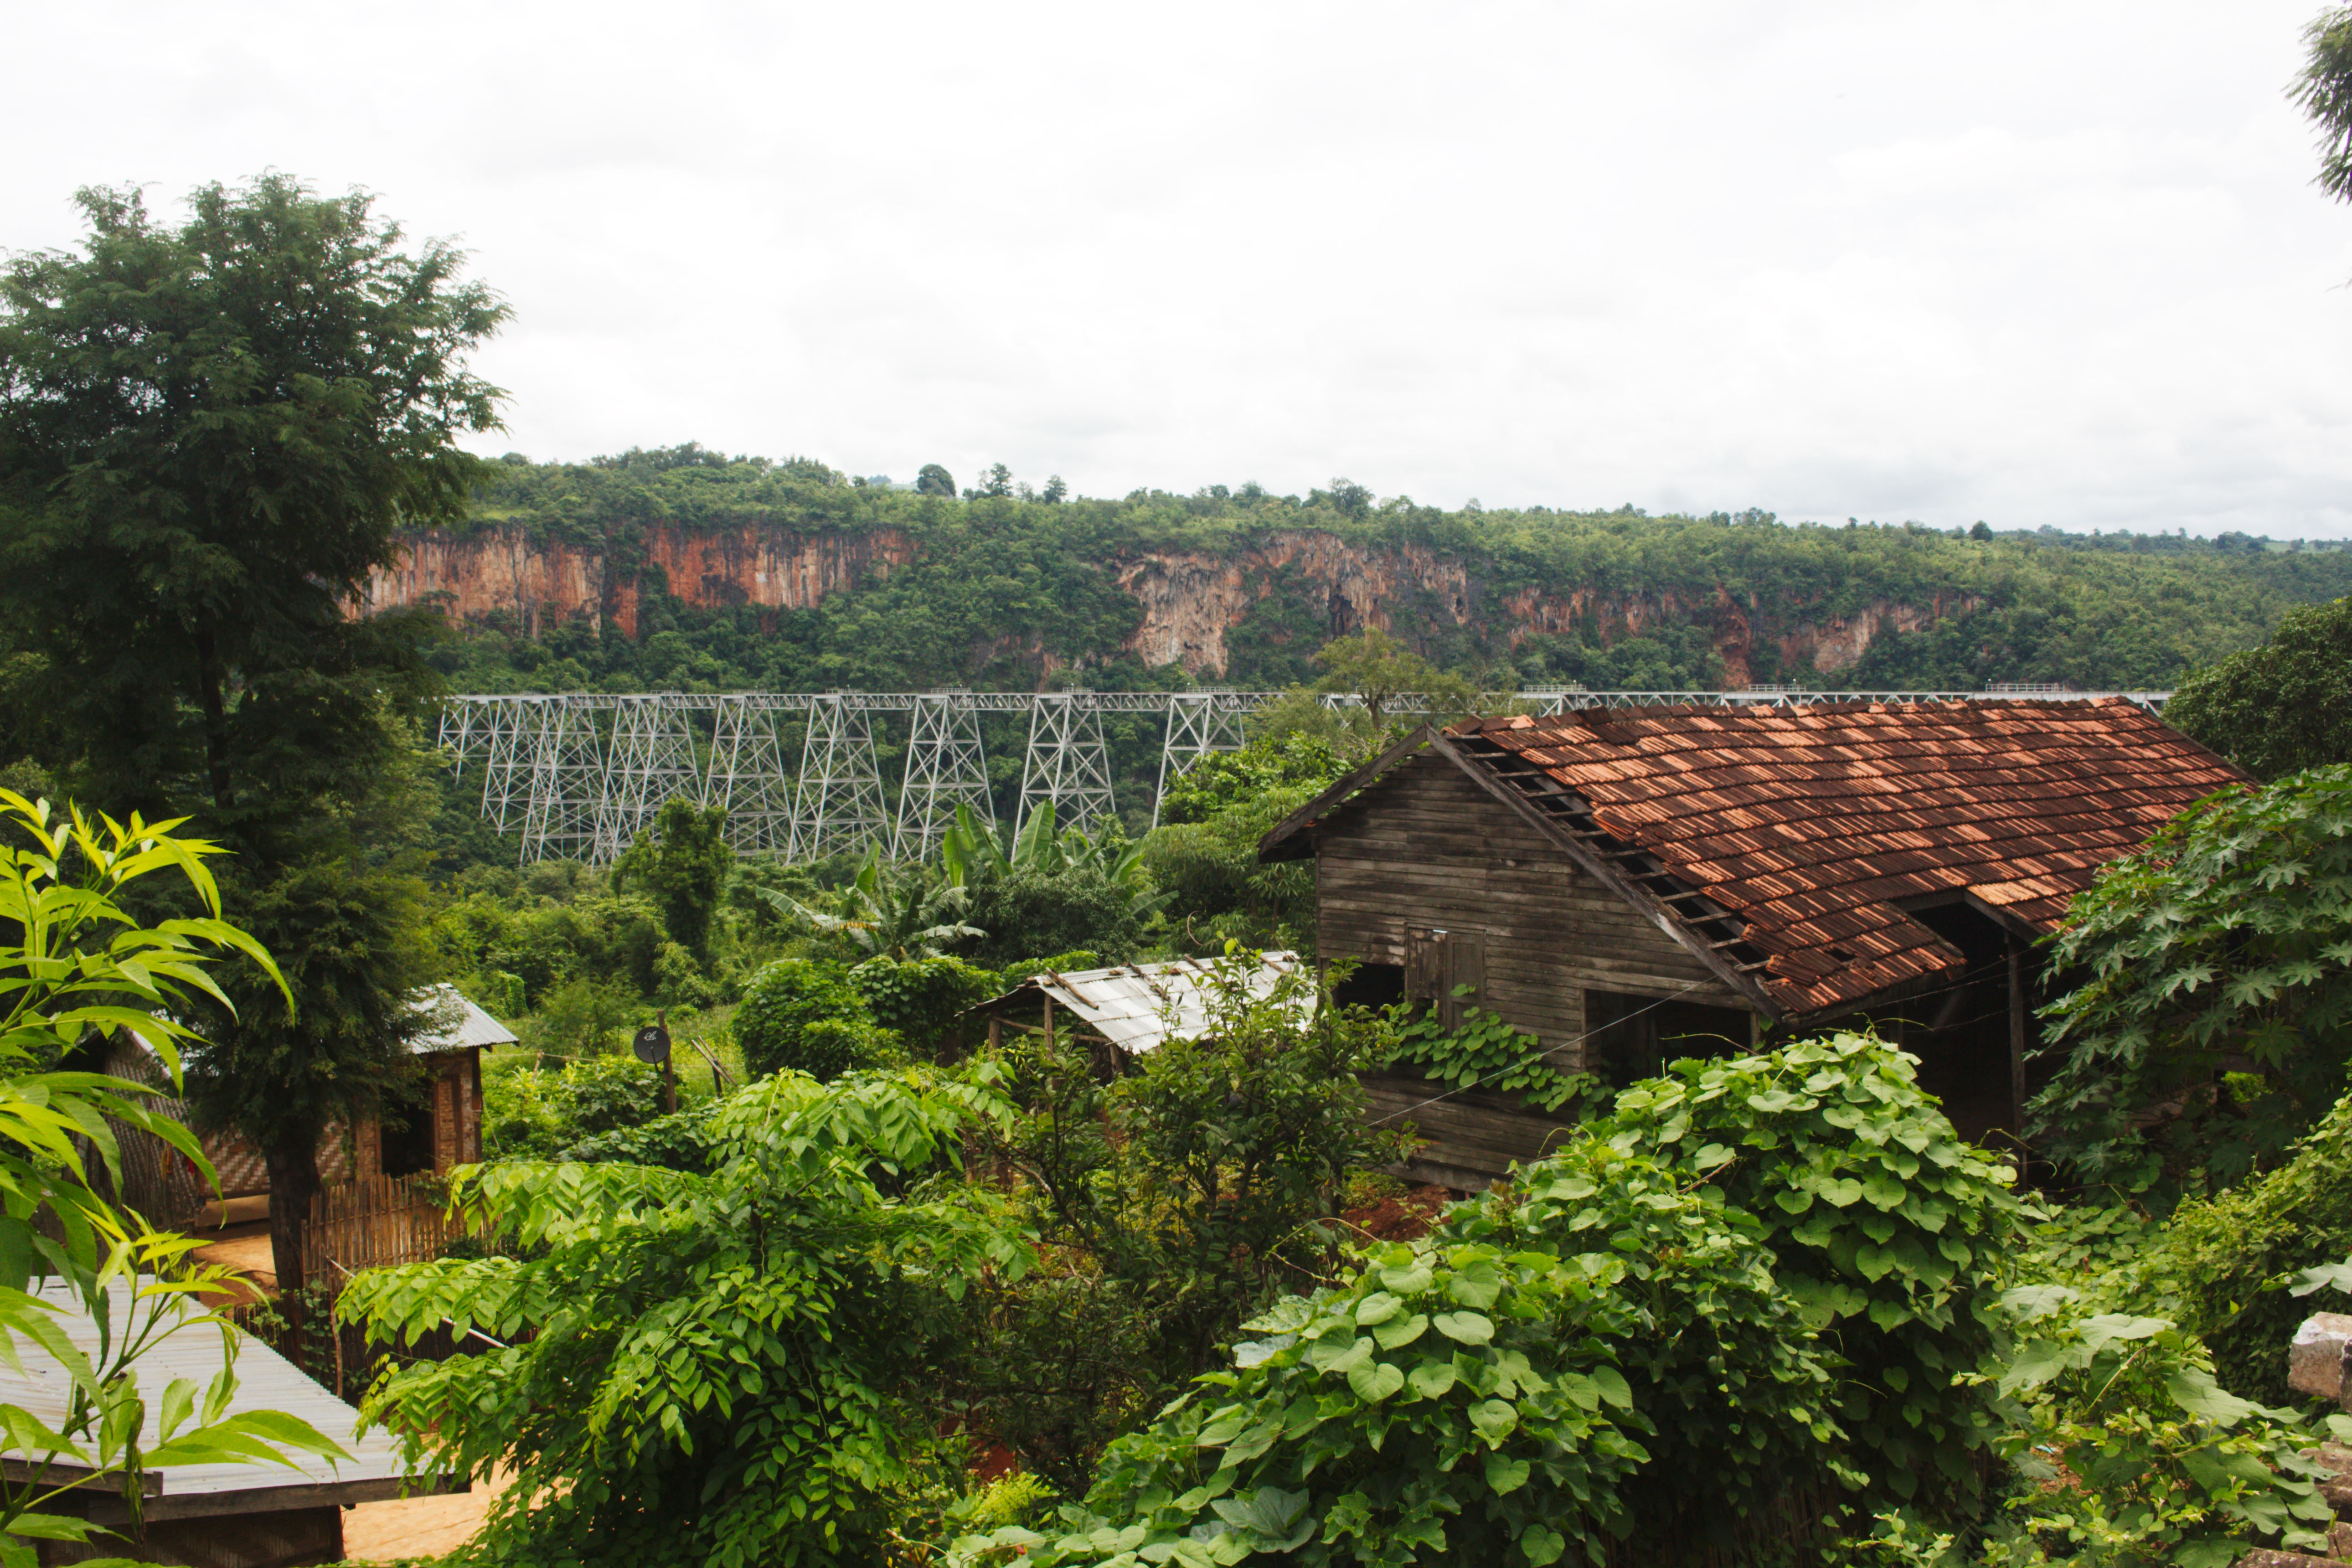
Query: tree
{"points": [[935, 480], [1054, 492], [2280, 707], [2213, 1024], [704, 1368], [1375, 666], [210, 436], [2324, 93], [998, 482], [682, 861], [893, 912]]}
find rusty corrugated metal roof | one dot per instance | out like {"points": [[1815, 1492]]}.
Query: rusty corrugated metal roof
{"points": [[1808, 827]]}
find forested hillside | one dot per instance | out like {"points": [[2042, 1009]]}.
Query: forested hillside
{"points": [[684, 569]]}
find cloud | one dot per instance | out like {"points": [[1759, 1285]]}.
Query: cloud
{"points": [[2030, 263]]}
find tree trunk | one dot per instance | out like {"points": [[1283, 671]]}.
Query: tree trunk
{"points": [[293, 1164], [208, 680]]}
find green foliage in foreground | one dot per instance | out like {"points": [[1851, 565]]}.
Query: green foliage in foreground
{"points": [[2215, 1263], [710, 1364], [2225, 946], [1759, 1276], [1176, 1193], [1486, 1053], [75, 963]]}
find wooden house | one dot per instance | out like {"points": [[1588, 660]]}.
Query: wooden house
{"points": [[443, 1128], [1633, 885]]}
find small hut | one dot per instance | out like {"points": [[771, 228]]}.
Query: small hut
{"points": [[1128, 1008]]}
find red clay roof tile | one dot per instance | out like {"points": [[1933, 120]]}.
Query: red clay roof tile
{"points": [[1817, 822]]}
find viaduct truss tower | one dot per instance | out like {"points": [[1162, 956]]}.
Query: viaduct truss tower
{"points": [[578, 776], [838, 803], [946, 767]]}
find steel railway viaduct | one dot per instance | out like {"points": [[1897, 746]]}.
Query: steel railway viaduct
{"points": [[579, 775]]}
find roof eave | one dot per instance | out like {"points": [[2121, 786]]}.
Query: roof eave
{"points": [[1288, 840]]}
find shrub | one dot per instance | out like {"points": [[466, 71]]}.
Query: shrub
{"points": [[2210, 1264], [783, 1000], [831, 1046], [919, 999], [1039, 912], [1884, 1227]]}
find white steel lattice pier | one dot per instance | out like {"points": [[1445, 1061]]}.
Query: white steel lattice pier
{"points": [[946, 767], [838, 804], [1067, 767], [747, 776], [578, 776], [651, 761], [1199, 722]]}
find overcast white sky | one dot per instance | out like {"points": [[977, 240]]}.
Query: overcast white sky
{"points": [[2029, 263]]}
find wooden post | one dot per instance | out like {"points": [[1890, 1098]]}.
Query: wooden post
{"points": [[1049, 1026], [995, 1033], [2017, 1036], [669, 1061]]}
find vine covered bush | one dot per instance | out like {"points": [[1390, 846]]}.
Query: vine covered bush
{"points": [[787, 1000], [1486, 1053], [1887, 1230], [1757, 1281]]}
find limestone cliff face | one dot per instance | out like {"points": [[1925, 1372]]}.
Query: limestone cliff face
{"points": [[1189, 600], [546, 582]]}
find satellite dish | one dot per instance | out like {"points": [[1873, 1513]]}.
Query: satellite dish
{"points": [[652, 1044]]}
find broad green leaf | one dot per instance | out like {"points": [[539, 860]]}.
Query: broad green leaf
{"points": [[1465, 1328], [1505, 1475], [1375, 1380]]}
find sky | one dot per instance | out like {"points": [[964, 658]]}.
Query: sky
{"points": [[2034, 263]]}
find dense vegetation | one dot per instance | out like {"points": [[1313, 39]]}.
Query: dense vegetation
{"points": [[1000, 583]]}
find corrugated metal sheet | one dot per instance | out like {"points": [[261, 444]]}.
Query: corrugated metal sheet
{"points": [[462, 1024], [1136, 1006], [266, 1381]]}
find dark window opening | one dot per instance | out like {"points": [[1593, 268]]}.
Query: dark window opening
{"points": [[1372, 986], [1629, 1037], [406, 1137]]}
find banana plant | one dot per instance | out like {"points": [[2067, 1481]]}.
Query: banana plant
{"points": [[970, 851], [894, 912]]}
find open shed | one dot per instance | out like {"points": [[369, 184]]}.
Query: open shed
{"points": [[246, 1515], [1133, 1007]]}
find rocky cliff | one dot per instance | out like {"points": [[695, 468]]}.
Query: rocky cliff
{"points": [[538, 583], [1188, 601]]}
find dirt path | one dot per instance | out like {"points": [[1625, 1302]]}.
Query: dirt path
{"points": [[420, 1527]]}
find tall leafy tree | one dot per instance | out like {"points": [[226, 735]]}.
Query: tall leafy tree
{"points": [[211, 434], [2280, 707], [2323, 92], [684, 863]]}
